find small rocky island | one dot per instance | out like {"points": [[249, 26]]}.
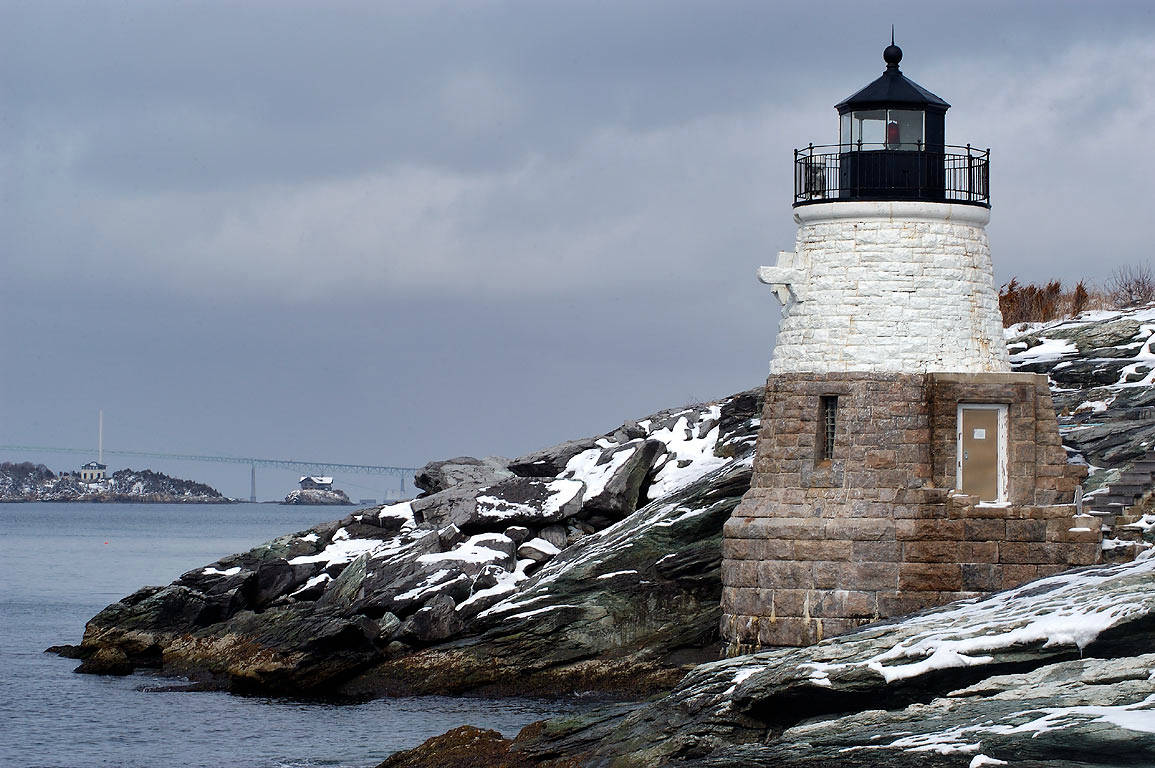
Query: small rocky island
{"points": [[594, 565], [26, 481], [316, 490]]}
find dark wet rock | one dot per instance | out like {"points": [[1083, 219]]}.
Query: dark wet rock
{"points": [[1057, 669], [528, 501], [489, 577], [633, 461], [555, 535], [550, 462], [107, 661], [537, 550], [595, 617], [449, 537], [453, 506], [387, 626], [437, 476], [66, 651], [434, 621], [464, 747], [518, 533]]}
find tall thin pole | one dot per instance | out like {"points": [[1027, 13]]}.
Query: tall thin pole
{"points": [[253, 483], [100, 438]]}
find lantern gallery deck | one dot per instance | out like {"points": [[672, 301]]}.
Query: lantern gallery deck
{"points": [[892, 146]]}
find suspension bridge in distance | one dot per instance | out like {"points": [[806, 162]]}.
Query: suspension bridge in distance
{"points": [[304, 467]]}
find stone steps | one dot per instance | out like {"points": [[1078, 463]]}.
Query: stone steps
{"points": [[1133, 484]]}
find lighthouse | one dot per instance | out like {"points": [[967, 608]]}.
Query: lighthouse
{"points": [[900, 463]]}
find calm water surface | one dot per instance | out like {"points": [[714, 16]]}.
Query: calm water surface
{"points": [[61, 563]]}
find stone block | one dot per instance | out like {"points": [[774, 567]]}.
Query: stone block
{"points": [[930, 577], [980, 577], [1082, 554], [875, 551], [1026, 530], [866, 576], [1085, 530], [825, 628], [902, 603], [1011, 576], [787, 574], [826, 550], [928, 530], [978, 552], [860, 529], [843, 603], [881, 459], [984, 530], [790, 602], [787, 631], [741, 573], [741, 600], [1029, 552], [930, 551]]}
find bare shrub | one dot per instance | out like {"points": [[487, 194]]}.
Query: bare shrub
{"points": [[1131, 286], [1030, 303], [1079, 300]]}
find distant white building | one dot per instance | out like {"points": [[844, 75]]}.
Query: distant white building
{"points": [[314, 483], [93, 471]]}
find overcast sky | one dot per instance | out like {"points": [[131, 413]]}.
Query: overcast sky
{"points": [[387, 233]]}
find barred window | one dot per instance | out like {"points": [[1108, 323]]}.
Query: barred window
{"points": [[827, 424]]}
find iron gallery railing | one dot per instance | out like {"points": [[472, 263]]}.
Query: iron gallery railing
{"points": [[943, 173]]}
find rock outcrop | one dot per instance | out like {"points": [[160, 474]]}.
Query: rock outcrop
{"points": [[318, 496], [1102, 371], [1056, 673], [501, 578], [35, 482]]}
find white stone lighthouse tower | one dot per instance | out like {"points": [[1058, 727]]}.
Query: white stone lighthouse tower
{"points": [[891, 270], [898, 456]]}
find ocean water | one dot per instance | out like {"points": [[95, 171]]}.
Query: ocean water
{"points": [[61, 563]]}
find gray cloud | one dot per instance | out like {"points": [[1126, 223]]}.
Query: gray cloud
{"points": [[483, 211]]}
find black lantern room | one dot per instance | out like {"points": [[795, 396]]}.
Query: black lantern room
{"points": [[891, 146]]}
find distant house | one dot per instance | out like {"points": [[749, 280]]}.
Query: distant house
{"points": [[93, 471], [312, 483]]}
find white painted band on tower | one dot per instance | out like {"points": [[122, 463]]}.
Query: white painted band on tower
{"points": [[897, 286]]}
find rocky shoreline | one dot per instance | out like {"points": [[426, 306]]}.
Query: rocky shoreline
{"points": [[594, 566], [554, 573], [27, 482]]}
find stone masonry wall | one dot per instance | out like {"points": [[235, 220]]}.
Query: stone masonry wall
{"points": [[889, 286], [818, 548]]}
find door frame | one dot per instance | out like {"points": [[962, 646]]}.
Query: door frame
{"points": [[1003, 447]]}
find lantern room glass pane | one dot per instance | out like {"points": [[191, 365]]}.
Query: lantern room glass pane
{"points": [[874, 129], [868, 128], [905, 129]]}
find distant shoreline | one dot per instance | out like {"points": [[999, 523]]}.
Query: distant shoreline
{"points": [[128, 500]]}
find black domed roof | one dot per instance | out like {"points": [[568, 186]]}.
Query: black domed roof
{"points": [[893, 89]]}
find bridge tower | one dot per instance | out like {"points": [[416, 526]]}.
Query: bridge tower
{"points": [[898, 455]]}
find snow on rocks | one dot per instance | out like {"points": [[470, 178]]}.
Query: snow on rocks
{"points": [[934, 685], [538, 550], [438, 476], [1102, 370], [484, 554], [521, 500]]}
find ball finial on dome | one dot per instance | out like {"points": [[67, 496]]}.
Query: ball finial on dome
{"points": [[892, 54]]}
